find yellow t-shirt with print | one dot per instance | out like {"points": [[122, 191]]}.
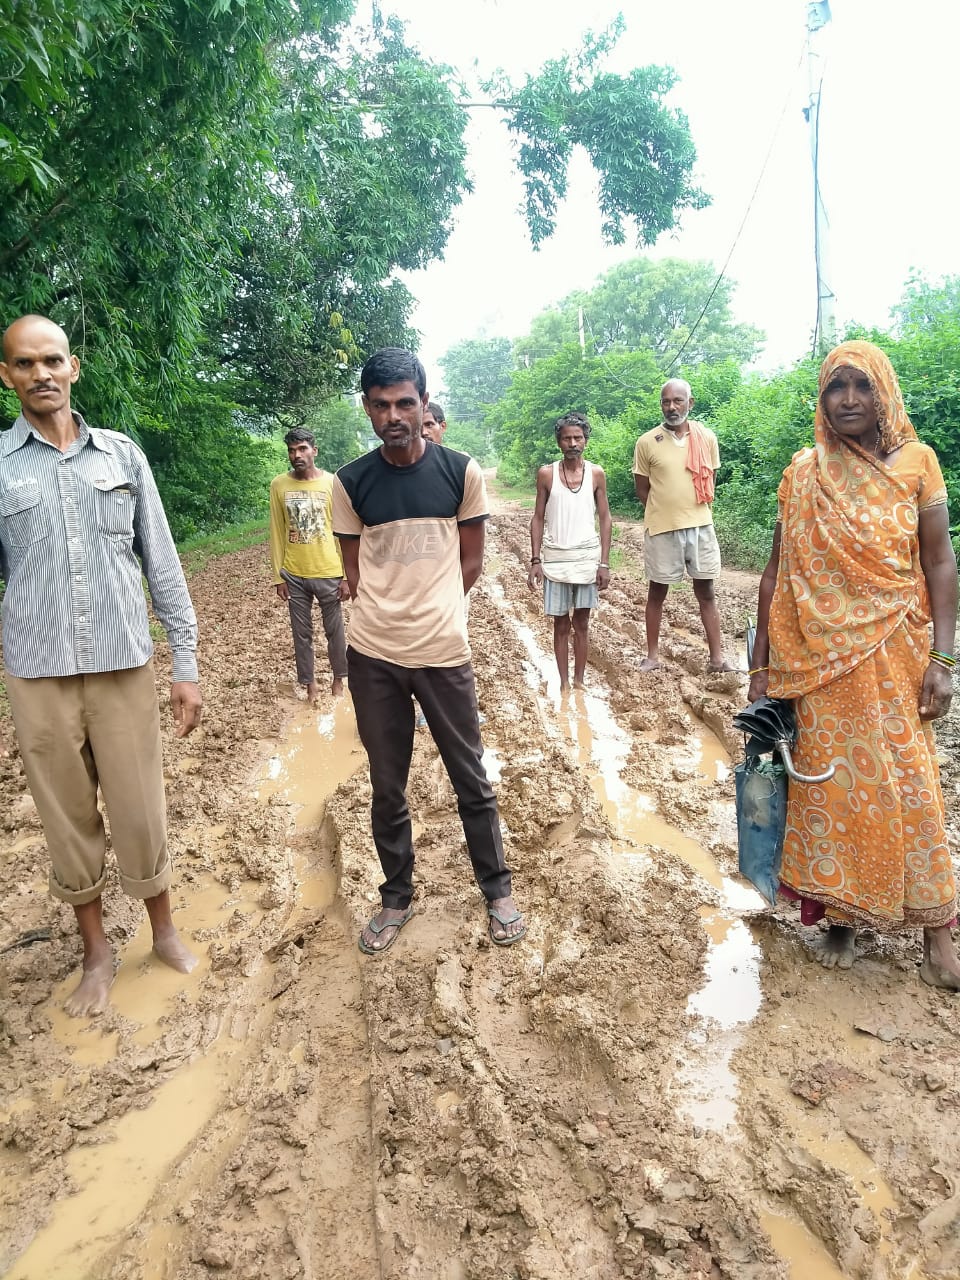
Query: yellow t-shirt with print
{"points": [[301, 528]]}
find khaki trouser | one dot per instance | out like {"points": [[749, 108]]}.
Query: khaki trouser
{"points": [[76, 732]]}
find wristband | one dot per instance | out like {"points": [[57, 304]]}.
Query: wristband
{"points": [[603, 566], [756, 671], [536, 560]]}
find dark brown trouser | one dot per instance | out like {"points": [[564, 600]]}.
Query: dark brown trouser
{"points": [[383, 700]]}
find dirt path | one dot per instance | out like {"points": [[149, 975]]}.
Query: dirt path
{"points": [[659, 1082]]}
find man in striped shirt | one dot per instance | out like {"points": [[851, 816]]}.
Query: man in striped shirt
{"points": [[80, 522]]}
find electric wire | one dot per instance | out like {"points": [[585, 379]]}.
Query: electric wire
{"points": [[750, 204]]}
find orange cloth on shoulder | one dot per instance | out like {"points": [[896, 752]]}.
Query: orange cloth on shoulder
{"points": [[698, 463]]}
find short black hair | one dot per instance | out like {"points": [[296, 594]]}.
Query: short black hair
{"points": [[299, 435], [391, 365], [573, 419], [437, 411]]}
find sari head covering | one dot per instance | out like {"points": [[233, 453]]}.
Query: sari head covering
{"points": [[849, 640], [849, 573], [895, 426]]}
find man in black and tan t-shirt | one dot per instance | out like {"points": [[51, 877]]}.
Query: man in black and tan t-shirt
{"points": [[410, 519]]}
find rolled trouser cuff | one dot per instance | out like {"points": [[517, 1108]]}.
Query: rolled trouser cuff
{"points": [[144, 889], [77, 897]]}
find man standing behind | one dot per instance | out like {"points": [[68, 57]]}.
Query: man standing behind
{"points": [[575, 563], [306, 559], [673, 472], [410, 519], [434, 423], [80, 521]]}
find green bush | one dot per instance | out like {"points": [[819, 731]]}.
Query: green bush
{"points": [[211, 472]]}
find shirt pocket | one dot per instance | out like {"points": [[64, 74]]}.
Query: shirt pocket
{"points": [[24, 515], [114, 507]]}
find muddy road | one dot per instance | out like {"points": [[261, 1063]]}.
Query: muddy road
{"points": [[660, 1082]]}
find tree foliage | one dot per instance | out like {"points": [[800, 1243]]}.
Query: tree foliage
{"points": [[340, 429], [212, 197], [471, 439], [232, 190], [476, 373], [649, 305], [523, 422], [641, 149], [210, 471], [768, 419]]}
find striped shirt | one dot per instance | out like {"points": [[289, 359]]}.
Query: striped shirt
{"points": [[78, 532]]}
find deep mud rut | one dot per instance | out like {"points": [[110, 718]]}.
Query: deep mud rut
{"points": [[660, 1081]]}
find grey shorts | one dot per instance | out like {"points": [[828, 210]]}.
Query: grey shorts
{"points": [[560, 597], [666, 555]]}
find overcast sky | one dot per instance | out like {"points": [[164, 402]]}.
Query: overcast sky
{"points": [[888, 118]]}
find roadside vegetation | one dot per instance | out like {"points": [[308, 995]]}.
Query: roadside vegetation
{"points": [[215, 200], [637, 317]]}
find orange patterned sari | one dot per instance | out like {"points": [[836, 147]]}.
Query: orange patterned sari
{"points": [[849, 641]]}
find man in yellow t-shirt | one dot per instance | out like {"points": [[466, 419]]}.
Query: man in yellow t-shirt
{"points": [[673, 470], [306, 558]]}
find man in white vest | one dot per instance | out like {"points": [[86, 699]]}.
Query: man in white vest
{"points": [[567, 556]]}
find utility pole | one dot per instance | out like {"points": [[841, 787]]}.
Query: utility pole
{"points": [[583, 345], [825, 330]]}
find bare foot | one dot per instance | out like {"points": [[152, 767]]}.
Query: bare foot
{"points": [[506, 922], [381, 932], [723, 665], [940, 967], [89, 999], [336, 688], [650, 664], [313, 692], [837, 947], [564, 686], [580, 684], [170, 948]]}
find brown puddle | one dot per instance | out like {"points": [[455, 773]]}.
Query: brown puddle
{"points": [[116, 1179], [319, 751], [732, 994], [145, 990]]}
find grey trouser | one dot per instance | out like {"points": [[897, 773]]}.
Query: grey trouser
{"points": [[302, 593]]}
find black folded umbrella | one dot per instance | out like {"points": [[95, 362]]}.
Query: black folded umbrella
{"points": [[771, 725], [769, 721]]}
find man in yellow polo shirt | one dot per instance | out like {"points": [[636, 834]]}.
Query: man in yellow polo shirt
{"points": [[673, 472], [306, 558]]}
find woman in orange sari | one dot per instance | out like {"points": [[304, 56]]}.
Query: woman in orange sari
{"points": [[861, 564]]}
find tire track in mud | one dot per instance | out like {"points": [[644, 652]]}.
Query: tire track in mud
{"points": [[456, 1110]]}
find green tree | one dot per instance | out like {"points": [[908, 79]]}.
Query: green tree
{"points": [[641, 148], [524, 420], [340, 428], [476, 373], [649, 305], [286, 178], [469, 439], [759, 429], [926, 357], [212, 195], [210, 470]]}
